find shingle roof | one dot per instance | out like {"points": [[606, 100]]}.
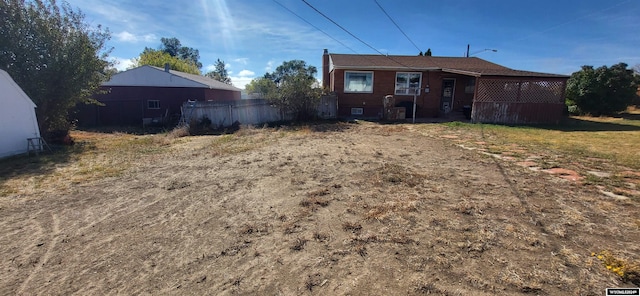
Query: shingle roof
{"points": [[150, 76], [211, 83], [472, 66]]}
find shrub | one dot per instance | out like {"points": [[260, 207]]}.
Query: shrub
{"points": [[601, 91]]}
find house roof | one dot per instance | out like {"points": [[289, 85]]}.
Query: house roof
{"points": [[471, 66], [155, 76]]}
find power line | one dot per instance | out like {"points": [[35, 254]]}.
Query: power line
{"points": [[356, 37], [394, 22], [310, 24], [366, 57], [341, 27]]}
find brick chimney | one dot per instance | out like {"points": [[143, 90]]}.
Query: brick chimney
{"points": [[325, 69]]}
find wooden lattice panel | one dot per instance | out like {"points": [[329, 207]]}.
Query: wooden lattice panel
{"points": [[520, 91], [541, 91], [497, 90]]}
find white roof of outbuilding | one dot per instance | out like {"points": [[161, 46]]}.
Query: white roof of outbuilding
{"points": [[7, 85], [154, 76]]}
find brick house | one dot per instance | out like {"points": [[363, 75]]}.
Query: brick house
{"points": [[497, 94], [149, 93]]}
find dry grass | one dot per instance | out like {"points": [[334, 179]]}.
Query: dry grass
{"points": [[94, 156], [306, 209], [580, 144], [396, 206], [353, 227], [393, 174], [628, 271]]}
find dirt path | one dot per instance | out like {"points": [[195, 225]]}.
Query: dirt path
{"points": [[354, 209]]}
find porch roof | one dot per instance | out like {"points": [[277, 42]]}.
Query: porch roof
{"points": [[471, 66]]}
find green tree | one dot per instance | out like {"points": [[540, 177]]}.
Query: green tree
{"points": [[292, 68], [296, 89], [261, 87], [55, 57], [159, 58], [601, 91], [174, 48], [220, 73]]}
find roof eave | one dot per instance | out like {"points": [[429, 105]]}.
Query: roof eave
{"points": [[463, 72], [386, 68]]}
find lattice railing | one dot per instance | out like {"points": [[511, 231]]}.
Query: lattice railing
{"points": [[520, 91]]}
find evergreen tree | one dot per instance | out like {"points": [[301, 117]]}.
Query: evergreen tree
{"points": [[220, 73]]}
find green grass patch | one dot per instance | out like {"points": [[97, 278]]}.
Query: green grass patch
{"points": [[614, 139]]}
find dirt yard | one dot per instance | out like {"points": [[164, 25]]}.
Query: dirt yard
{"points": [[336, 209]]}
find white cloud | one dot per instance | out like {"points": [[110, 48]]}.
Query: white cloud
{"points": [[240, 82], [209, 68], [269, 66], [246, 73], [125, 36], [122, 64], [242, 61]]}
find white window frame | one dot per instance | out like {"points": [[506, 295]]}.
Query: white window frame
{"points": [[407, 89], [359, 72], [156, 103], [357, 111]]}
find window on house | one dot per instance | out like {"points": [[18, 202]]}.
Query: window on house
{"points": [[356, 111], [408, 83], [358, 82], [153, 104], [471, 85]]}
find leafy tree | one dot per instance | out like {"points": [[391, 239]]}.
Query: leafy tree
{"points": [[297, 94], [55, 57], [292, 68], [159, 58], [220, 73], [170, 45], [295, 89], [174, 48], [601, 91], [262, 87]]}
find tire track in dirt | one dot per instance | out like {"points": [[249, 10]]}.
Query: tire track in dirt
{"points": [[55, 231]]}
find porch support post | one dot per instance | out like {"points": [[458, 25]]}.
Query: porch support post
{"points": [[414, 104], [473, 101]]}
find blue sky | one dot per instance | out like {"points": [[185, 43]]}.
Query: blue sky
{"points": [[255, 36]]}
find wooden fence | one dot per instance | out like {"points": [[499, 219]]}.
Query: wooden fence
{"points": [[224, 114], [249, 112]]}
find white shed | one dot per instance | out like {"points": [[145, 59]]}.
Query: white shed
{"points": [[18, 120]]}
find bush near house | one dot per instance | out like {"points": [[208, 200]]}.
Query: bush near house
{"points": [[601, 91]]}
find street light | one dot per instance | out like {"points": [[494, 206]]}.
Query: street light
{"points": [[479, 51]]}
